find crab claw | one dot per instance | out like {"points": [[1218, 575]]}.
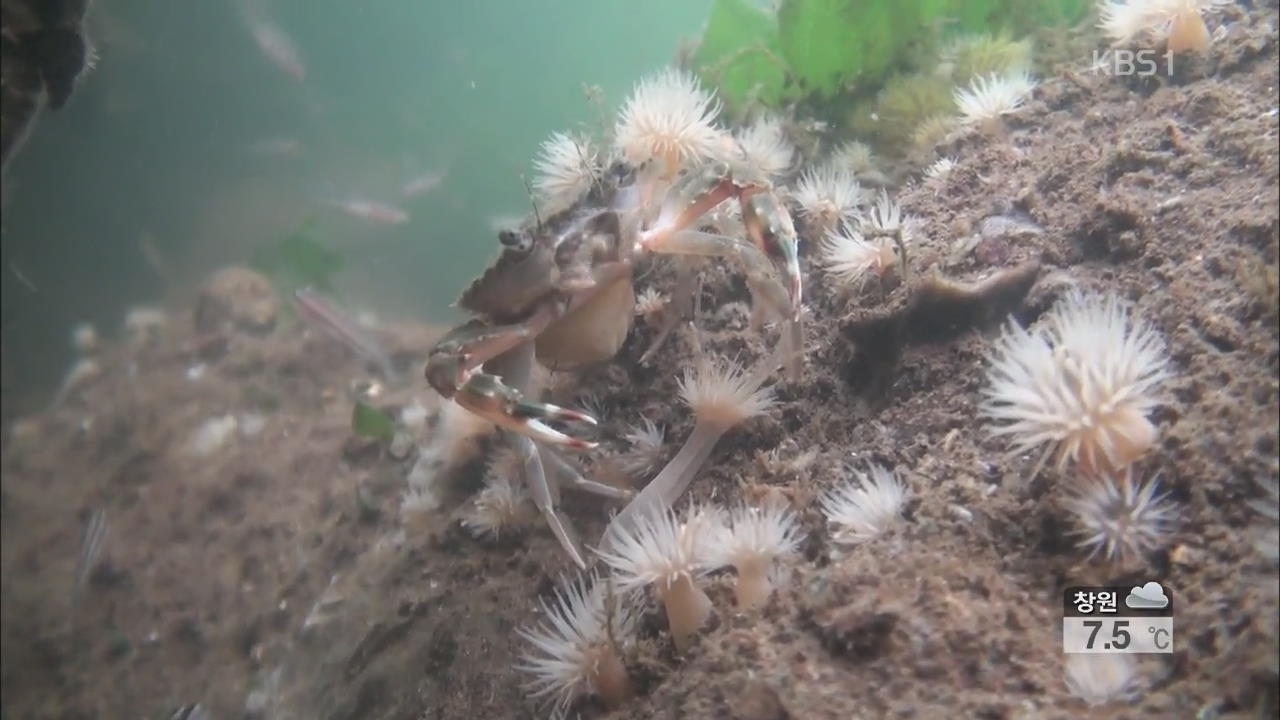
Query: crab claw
{"points": [[533, 414], [770, 227], [791, 264], [686, 202], [486, 396]]}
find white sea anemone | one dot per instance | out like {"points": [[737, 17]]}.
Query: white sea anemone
{"points": [[864, 507], [656, 549], [567, 167], [647, 448], [886, 218], [576, 647], [977, 54], [828, 196], [1102, 679], [721, 396], [932, 132], [417, 506], [940, 169], [724, 394], [764, 146], [670, 117], [1084, 382], [990, 97], [1121, 518], [592, 404], [649, 303], [458, 434], [1179, 23], [500, 505], [854, 156], [852, 259], [891, 228], [753, 540]]}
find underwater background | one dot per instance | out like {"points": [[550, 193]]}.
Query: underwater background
{"points": [[989, 312], [188, 139]]}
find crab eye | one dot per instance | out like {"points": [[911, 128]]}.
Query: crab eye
{"points": [[518, 241]]}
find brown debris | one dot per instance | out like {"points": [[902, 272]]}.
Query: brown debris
{"points": [[935, 309]]}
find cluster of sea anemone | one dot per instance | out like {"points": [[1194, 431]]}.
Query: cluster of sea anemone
{"points": [[1077, 390], [579, 647], [667, 131], [1173, 25], [974, 81], [873, 246], [1080, 387]]}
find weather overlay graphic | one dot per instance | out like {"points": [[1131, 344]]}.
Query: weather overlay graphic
{"points": [[1117, 619]]}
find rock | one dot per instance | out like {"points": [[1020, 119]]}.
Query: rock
{"points": [[757, 701], [211, 435], [237, 298]]}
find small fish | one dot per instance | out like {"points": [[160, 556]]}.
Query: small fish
{"points": [[278, 47], [276, 147], [423, 183], [319, 312], [95, 539], [151, 254], [189, 712], [13, 268], [366, 209]]}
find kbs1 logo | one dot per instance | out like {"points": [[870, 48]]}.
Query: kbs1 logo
{"points": [[1119, 62]]}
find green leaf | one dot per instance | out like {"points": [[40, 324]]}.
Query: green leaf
{"points": [[830, 44], [370, 422], [823, 47], [822, 42], [972, 16], [299, 259], [739, 54], [1024, 17]]}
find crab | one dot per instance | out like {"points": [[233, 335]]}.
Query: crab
{"points": [[561, 293]]}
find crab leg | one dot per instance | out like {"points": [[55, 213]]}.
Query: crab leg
{"points": [[544, 472], [681, 302], [453, 371], [546, 497], [769, 224], [516, 365], [473, 344], [757, 267], [770, 297], [565, 470], [674, 478], [685, 204], [773, 247], [452, 368]]}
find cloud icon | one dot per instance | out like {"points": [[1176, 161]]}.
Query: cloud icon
{"points": [[1148, 597]]}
